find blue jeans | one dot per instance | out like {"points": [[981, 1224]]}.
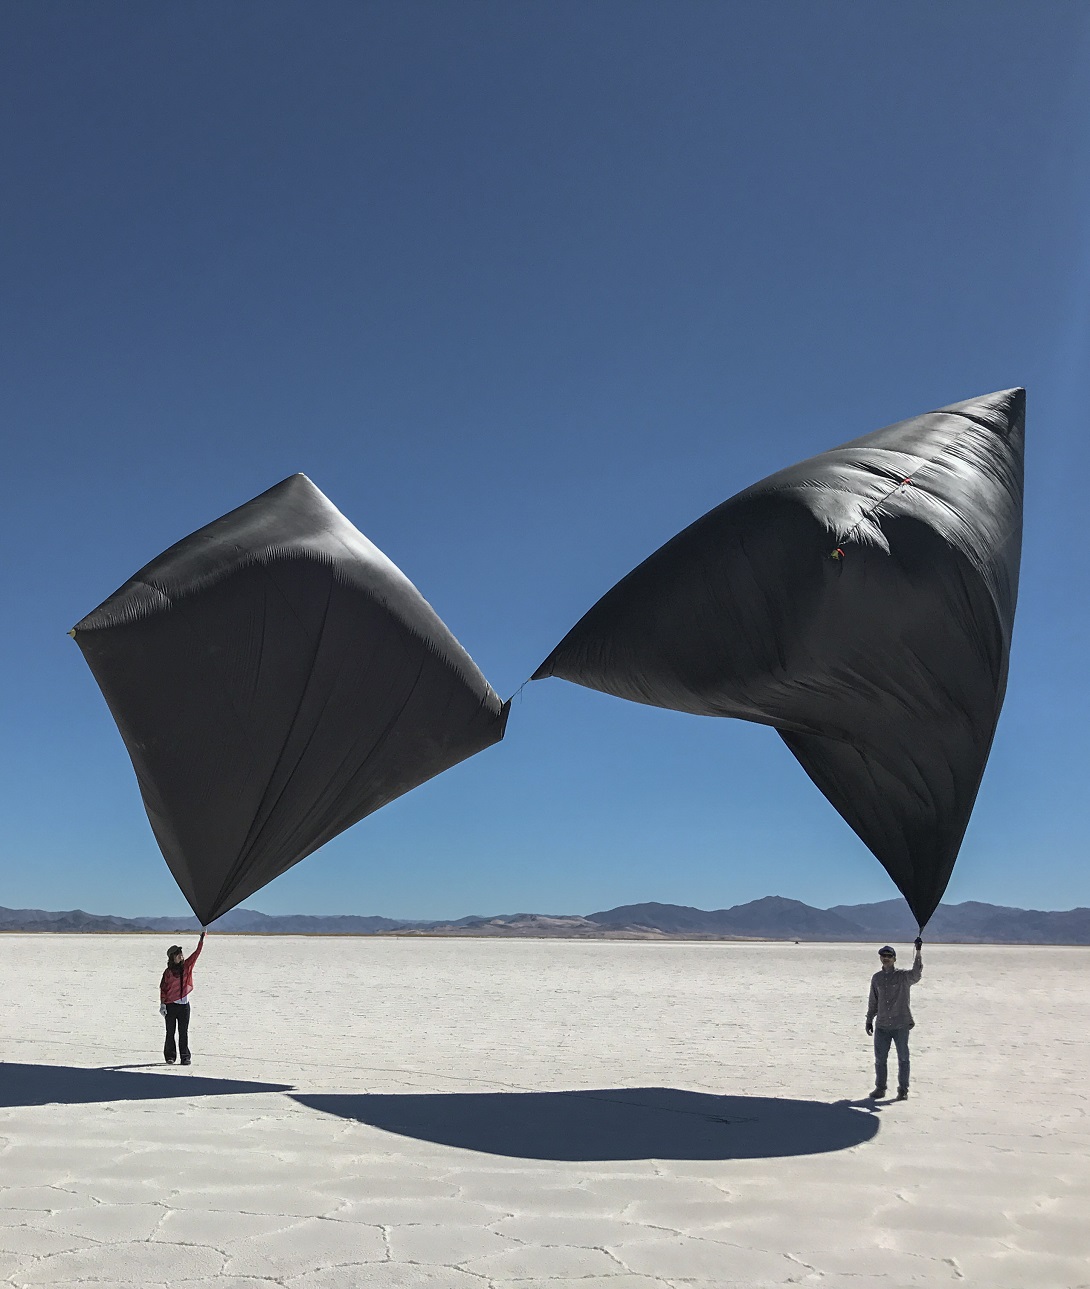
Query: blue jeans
{"points": [[882, 1040]]}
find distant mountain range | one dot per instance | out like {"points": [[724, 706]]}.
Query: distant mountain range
{"points": [[772, 918]]}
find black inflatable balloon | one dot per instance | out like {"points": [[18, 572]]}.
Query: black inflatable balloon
{"points": [[861, 603], [276, 678]]}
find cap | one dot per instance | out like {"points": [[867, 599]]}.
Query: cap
{"points": [[175, 948], [887, 948]]}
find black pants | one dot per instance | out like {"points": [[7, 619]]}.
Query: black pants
{"points": [[177, 1015]]}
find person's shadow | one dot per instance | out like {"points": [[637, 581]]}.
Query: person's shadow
{"points": [[27, 1085], [610, 1123]]}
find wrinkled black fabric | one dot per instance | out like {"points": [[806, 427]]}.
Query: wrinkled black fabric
{"points": [[276, 678], [884, 669]]}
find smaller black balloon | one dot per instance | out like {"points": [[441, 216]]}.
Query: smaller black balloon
{"points": [[276, 678]]}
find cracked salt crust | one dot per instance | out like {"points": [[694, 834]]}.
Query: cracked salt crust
{"points": [[446, 1243], [405, 1276], [686, 1256], [217, 1176], [124, 1263], [297, 1248], [622, 1281], [395, 1211], [544, 1260], [38, 1242]]}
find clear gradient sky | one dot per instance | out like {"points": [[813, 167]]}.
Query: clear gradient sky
{"points": [[526, 286]]}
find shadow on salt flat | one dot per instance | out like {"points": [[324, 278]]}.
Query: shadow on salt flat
{"points": [[26, 1085], [610, 1123]]}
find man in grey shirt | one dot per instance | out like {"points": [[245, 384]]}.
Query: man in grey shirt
{"points": [[888, 1003]]}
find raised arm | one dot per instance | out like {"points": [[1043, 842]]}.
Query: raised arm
{"points": [[917, 968], [196, 952]]}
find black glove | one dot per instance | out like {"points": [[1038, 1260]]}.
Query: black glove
{"points": [[870, 1027], [919, 944]]}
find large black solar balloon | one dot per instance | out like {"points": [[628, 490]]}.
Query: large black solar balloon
{"points": [[276, 678], [861, 603]]}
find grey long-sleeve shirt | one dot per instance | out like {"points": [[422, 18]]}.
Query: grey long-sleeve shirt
{"points": [[889, 996]]}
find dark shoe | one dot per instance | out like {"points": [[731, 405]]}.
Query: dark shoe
{"points": [[878, 1092], [902, 1094], [188, 1060], [169, 1059]]}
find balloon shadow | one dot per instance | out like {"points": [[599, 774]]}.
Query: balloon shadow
{"points": [[27, 1085], [610, 1123]]}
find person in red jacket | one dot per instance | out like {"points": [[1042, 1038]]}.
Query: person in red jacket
{"points": [[174, 990]]}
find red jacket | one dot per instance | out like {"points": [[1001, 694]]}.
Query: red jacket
{"points": [[172, 988]]}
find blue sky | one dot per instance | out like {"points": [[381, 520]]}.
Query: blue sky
{"points": [[525, 288]]}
